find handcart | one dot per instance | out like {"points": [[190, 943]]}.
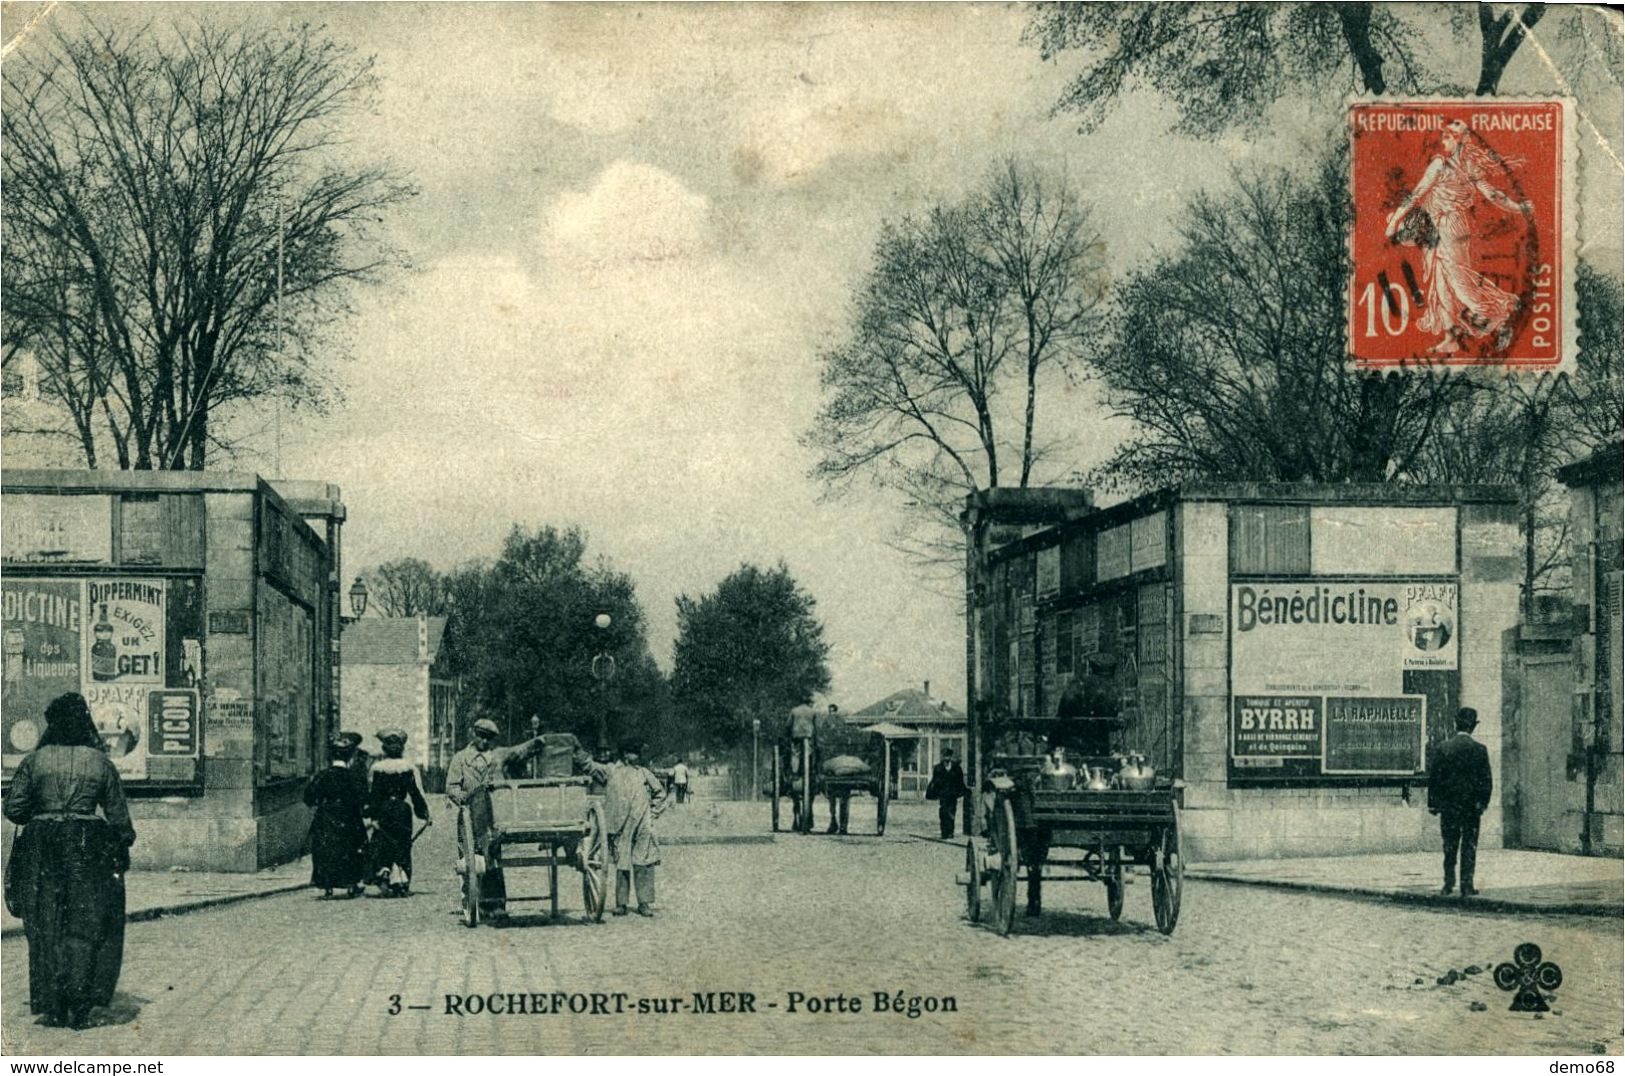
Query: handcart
{"points": [[551, 822]]}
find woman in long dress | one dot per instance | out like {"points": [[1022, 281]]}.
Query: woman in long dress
{"points": [[397, 795], [1458, 302], [66, 878], [338, 837]]}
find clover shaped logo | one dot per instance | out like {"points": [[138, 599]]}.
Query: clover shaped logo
{"points": [[1528, 978]]}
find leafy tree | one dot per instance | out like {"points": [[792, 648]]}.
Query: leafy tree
{"points": [[752, 649], [523, 637], [407, 587], [969, 311], [182, 225]]}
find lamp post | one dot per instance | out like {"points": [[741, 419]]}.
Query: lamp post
{"points": [[755, 740], [603, 671], [358, 598]]}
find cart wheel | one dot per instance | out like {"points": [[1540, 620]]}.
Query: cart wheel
{"points": [[1168, 877], [471, 871], [973, 881], [1114, 887], [594, 864], [880, 811], [1004, 876], [774, 767]]}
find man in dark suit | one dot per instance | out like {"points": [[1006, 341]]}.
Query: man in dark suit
{"points": [[1459, 787], [946, 787]]}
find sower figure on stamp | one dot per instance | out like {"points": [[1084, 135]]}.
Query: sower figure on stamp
{"points": [[1460, 302], [1459, 787], [947, 787]]}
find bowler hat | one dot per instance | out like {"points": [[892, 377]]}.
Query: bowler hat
{"points": [[1466, 719], [487, 726]]}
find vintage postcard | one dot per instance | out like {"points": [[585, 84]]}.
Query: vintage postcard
{"points": [[810, 530]]}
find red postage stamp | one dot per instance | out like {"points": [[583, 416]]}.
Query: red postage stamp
{"points": [[1463, 216]]}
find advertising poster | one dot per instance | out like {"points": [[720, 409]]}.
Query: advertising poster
{"points": [[123, 662], [1318, 673], [1430, 626], [43, 625]]}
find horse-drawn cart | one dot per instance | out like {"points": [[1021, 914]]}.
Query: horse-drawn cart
{"points": [[1112, 821], [551, 822], [822, 756]]}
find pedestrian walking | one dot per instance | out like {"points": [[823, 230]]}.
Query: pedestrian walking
{"points": [[679, 781], [360, 759], [1459, 787], [66, 876], [338, 836], [396, 796], [947, 787], [633, 798]]}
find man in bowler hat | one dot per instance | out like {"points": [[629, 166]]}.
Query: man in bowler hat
{"points": [[947, 787], [1459, 787]]}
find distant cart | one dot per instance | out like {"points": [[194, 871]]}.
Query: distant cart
{"points": [[797, 766], [1115, 829], [550, 822]]}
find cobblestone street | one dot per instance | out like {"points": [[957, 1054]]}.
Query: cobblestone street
{"points": [[1248, 970]]}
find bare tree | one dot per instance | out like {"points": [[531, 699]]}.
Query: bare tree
{"points": [[408, 587], [968, 313], [181, 230], [1229, 358], [1222, 65]]}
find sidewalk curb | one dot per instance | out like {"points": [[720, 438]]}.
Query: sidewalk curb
{"points": [[1434, 900], [165, 911]]}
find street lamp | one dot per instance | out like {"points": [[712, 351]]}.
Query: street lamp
{"points": [[358, 598], [755, 777], [603, 671]]}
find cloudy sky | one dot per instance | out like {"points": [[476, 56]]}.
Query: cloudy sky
{"points": [[637, 228]]}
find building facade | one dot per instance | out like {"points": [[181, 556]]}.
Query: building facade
{"points": [[934, 725], [1288, 652], [198, 615], [395, 674]]}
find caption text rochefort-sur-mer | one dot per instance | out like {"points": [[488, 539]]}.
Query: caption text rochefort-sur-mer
{"points": [[721, 1002]]}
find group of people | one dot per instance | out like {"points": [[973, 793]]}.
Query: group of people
{"points": [[361, 829], [65, 880]]}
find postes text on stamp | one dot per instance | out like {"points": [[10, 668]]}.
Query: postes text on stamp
{"points": [[1463, 216]]}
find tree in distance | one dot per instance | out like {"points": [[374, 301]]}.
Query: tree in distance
{"points": [[970, 312], [751, 649], [184, 225], [407, 586], [523, 637]]}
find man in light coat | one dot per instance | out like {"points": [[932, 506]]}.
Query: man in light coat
{"points": [[633, 798]]}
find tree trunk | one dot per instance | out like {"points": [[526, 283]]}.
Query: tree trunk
{"points": [[1356, 23], [1498, 44]]}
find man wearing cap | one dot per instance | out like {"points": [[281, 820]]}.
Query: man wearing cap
{"points": [[1459, 786]]}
